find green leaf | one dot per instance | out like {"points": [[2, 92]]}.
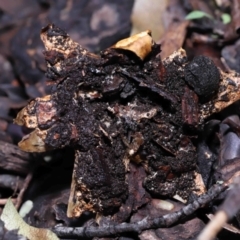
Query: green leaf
{"points": [[197, 15], [13, 221], [226, 18]]}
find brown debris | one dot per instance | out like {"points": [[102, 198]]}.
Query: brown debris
{"points": [[187, 230], [190, 108], [173, 38], [137, 196], [157, 208]]}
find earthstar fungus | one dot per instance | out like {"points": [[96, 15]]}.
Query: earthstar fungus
{"points": [[124, 105]]}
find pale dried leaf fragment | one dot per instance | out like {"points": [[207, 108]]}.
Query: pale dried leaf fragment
{"points": [[180, 53], [131, 112], [77, 204], [140, 44], [227, 210], [13, 221], [199, 185], [34, 142], [38, 112], [213, 227]]}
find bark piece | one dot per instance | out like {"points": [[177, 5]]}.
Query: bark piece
{"points": [[13, 159], [189, 230], [137, 196], [173, 38], [98, 182]]}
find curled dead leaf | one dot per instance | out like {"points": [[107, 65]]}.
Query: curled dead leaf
{"points": [[140, 44]]}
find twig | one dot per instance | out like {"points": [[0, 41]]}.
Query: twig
{"points": [[3, 201], [214, 226], [24, 188], [147, 223], [228, 209]]}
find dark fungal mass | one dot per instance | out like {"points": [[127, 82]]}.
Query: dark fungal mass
{"points": [[203, 76], [113, 108]]}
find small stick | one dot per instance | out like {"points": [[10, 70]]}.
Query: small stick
{"points": [[146, 223], [228, 209], [214, 226], [3, 201], [24, 188]]}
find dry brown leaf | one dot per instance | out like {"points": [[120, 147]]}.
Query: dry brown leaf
{"points": [[140, 44]]}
